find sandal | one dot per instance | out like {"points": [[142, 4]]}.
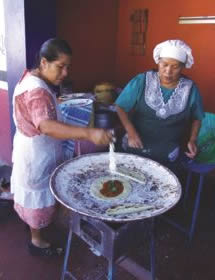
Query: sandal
{"points": [[44, 252]]}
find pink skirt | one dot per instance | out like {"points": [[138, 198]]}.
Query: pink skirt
{"points": [[36, 218]]}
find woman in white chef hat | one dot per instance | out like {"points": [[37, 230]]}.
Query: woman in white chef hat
{"points": [[162, 102]]}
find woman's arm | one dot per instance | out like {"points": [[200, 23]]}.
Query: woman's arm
{"points": [[126, 102], [191, 145], [197, 114], [61, 130], [133, 137]]}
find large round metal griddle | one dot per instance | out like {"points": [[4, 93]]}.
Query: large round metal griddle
{"points": [[71, 183]]}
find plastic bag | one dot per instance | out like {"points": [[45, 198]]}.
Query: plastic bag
{"points": [[206, 140]]}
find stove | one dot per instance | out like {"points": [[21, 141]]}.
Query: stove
{"points": [[111, 226], [110, 240]]}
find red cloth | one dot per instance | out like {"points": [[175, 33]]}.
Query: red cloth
{"points": [[36, 218], [31, 107]]}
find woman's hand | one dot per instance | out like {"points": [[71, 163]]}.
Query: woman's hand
{"points": [[192, 149], [134, 140], [191, 145], [99, 136]]}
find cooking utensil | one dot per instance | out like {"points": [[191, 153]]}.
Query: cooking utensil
{"points": [[133, 178], [71, 183]]}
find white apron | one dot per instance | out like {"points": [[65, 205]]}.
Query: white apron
{"points": [[34, 159]]}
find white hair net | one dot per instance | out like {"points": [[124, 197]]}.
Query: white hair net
{"points": [[176, 49]]}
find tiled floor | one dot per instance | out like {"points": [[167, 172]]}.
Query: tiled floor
{"points": [[17, 264], [174, 260]]}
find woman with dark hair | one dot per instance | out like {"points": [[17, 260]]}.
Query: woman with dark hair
{"points": [[37, 145], [162, 103]]}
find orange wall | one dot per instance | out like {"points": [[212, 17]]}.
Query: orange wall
{"points": [[99, 32], [90, 28], [163, 25]]}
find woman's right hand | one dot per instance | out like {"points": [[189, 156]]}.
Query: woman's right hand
{"points": [[99, 136], [134, 141]]}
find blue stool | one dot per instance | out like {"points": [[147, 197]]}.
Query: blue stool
{"points": [[202, 169], [203, 164]]}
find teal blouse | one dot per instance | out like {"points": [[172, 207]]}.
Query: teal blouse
{"points": [[133, 91]]}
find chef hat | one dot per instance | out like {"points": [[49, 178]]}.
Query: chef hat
{"points": [[176, 49]]}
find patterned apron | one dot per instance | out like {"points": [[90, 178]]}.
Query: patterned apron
{"points": [[34, 159]]}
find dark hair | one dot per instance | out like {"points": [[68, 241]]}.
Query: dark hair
{"points": [[51, 49]]}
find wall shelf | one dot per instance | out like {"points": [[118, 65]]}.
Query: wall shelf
{"points": [[139, 22]]}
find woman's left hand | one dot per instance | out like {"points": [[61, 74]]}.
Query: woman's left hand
{"points": [[192, 149]]}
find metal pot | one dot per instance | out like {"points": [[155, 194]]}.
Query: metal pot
{"points": [[105, 118]]}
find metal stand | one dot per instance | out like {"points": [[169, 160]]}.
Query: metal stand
{"points": [[152, 249], [189, 231], [67, 253], [112, 240]]}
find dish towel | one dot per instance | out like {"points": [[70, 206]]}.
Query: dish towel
{"points": [[78, 116]]}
